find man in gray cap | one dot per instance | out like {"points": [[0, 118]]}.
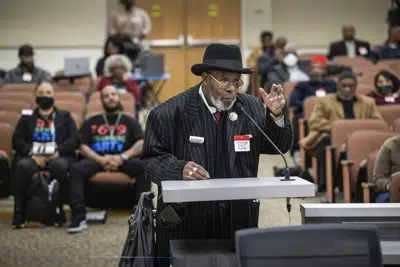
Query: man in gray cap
{"points": [[26, 71], [345, 104]]}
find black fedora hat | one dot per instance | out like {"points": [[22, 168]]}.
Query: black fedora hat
{"points": [[221, 57]]}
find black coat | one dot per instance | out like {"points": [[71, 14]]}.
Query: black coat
{"points": [[66, 133], [339, 49], [167, 148]]}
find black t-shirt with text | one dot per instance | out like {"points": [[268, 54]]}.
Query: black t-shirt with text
{"points": [[112, 138]]}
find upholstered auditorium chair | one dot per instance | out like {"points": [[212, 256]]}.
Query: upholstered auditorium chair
{"points": [[390, 114], [339, 132], [359, 145]]}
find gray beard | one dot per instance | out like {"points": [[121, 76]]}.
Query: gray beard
{"points": [[219, 104]]}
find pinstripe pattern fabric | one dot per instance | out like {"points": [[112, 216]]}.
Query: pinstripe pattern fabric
{"points": [[167, 149]]}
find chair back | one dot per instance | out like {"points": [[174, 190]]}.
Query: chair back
{"points": [[395, 189], [390, 113], [71, 106], [76, 97], [6, 132], [10, 117], [309, 245], [288, 89], [343, 128], [396, 125], [308, 106], [18, 87], [16, 106], [18, 96], [391, 65], [359, 145]]}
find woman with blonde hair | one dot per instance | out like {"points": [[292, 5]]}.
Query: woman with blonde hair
{"points": [[116, 69]]}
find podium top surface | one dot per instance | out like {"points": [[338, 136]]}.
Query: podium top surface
{"points": [[351, 210], [235, 189]]}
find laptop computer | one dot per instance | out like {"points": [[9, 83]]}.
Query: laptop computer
{"points": [[152, 65], [76, 66]]}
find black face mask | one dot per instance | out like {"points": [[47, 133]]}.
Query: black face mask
{"points": [[384, 90], [45, 102]]}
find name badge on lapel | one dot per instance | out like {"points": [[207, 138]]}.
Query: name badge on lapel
{"points": [[242, 143], [196, 139]]}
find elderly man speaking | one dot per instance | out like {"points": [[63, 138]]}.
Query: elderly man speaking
{"points": [[192, 137]]}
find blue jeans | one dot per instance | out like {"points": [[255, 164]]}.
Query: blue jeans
{"points": [[383, 198]]}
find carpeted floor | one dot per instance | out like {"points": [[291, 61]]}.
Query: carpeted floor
{"points": [[101, 245]]}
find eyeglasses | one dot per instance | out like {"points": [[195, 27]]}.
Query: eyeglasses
{"points": [[224, 83]]}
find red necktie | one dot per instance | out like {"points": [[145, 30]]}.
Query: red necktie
{"points": [[217, 116]]}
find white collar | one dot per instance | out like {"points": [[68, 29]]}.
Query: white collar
{"points": [[211, 109]]}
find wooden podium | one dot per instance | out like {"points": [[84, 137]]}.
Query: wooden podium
{"points": [[179, 191]]}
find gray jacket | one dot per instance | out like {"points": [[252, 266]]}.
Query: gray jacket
{"points": [[38, 74]]}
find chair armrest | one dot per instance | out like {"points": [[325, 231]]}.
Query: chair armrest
{"points": [[368, 185], [329, 165], [347, 164]]}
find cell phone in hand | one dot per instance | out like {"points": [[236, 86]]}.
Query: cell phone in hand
{"points": [[169, 215]]}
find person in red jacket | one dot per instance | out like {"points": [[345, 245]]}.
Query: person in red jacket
{"points": [[116, 69]]}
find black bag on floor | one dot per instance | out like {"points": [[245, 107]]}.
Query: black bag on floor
{"points": [[294, 171], [139, 248], [42, 200]]}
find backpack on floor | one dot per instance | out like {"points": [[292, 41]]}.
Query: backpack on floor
{"points": [[42, 200]]}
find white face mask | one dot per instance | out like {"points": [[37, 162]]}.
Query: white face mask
{"points": [[290, 60]]}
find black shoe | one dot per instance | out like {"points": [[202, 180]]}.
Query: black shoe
{"points": [[17, 220], [78, 224]]}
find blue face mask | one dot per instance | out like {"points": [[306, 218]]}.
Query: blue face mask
{"points": [[385, 90]]}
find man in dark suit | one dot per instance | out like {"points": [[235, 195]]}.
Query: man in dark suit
{"points": [[191, 137], [349, 46]]}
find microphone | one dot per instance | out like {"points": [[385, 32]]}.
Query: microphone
{"points": [[287, 172]]}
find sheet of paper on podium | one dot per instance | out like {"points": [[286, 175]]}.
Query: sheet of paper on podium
{"points": [[179, 191]]}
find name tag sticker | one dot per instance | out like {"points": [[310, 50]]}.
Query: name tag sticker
{"points": [[320, 92], [44, 148], [196, 139], [27, 77], [389, 99], [242, 143], [27, 112]]}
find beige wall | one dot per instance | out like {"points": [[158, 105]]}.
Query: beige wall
{"points": [[59, 28], [312, 23]]}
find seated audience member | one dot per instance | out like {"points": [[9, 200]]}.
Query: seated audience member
{"points": [[387, 89], [281, 43], [49, 126], [287, 70], [316, 86], [111, 141], [343, 105], [116, 70], [387, 165], [114, 45], [266, 49], [26, 71], [349, 46], [391, 50]]}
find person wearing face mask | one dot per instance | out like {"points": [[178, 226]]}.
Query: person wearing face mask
{"points": [[129, 20], [27, 71], [349, 46], [387, 89], [192, 137], [116, 69], [342, 105], [287, 69], [111, 141], [45, 126]]}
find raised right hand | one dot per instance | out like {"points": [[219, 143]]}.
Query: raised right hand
{"points": [[193, 171]]}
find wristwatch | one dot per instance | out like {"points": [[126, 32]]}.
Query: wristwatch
{"points": [[124, 156]]}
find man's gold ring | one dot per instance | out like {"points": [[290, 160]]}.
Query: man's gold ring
{"points": [[195, 169], [190, 173]]}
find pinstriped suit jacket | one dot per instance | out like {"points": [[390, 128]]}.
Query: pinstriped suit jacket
{"points": [[167, 148]]}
